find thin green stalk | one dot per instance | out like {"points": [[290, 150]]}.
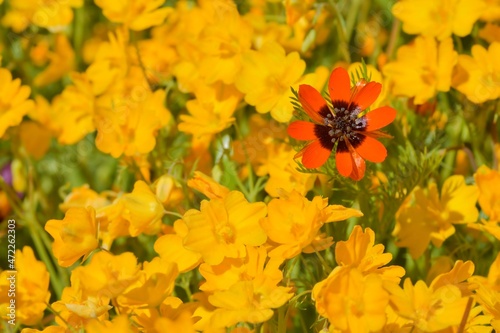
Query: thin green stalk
{"points": [[454, 135], [259, 185], [242, 188], [342, 31], [79, 27], [391, 45], [40, 240], [351, 18], [282, 319]]}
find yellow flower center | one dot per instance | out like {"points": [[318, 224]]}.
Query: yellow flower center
{"points": [[428, 75], [357, 307], [276, 84], [257, 299], [491, 79], [225, 233]]}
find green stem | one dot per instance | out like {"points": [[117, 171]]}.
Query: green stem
{"points": [[351, 18], [40, 240], [391, 46], [342, 31], [282, 319], [259, 185], [79, 27], [454, 135], [243, 189]]}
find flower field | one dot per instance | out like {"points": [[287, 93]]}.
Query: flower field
{"points": [[249, 166]]}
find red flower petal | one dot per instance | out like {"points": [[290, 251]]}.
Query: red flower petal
{"points": [[367, 95], [339, 85], [301, 130], [372, 150], [312, 102], [315, 155], [359, 167], [344, 163], [379, 118]]}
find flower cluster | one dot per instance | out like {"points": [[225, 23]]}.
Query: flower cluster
{"points": [[249, 166]]}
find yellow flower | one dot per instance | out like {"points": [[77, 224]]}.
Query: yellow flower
{"points": [[43, 13], [14, 102], [422, 68], [223, 44], [293, 223], [135, 14], [438, 18], [491, 11], [232, 270], [70, 116], [181, 323], [208, 186], [429, 309], [128, 121], [39, 53], [277, 162], [111, 224], [75, 308], [490, 33], [494, 274], [478, 77], [74, 236], [211, 112], [490, 301], [360, 251], [42, 113], [426, 217], [106, 275], [488, 292], [141, 209], [168, 190], [155, 282], [248, 301], [222, 227], [61, 62], [488, 182], [148, 319], [267, 75], [182, 31], [158, 56], [120, 324], [457, 277], [82, 197], [170, 247], [35, 138], [351, 301], [31, 289]]}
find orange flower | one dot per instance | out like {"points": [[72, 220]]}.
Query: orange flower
{"points": [[342, 129]]}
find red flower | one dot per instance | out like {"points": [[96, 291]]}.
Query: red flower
{"points": [[353, 136]]}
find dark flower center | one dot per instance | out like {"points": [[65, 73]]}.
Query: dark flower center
{"points": [[341, 126]]}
